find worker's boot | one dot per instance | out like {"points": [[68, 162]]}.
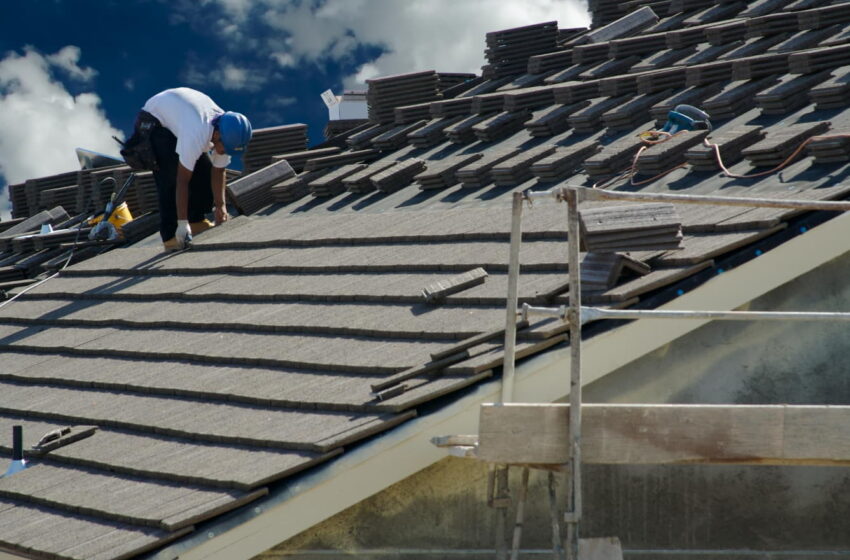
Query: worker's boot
{"points": [[170, 246], [198, 227]]}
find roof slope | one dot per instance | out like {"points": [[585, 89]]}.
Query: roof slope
{"points": [[285, 336]]}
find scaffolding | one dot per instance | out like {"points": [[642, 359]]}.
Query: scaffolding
{"points": [[577, 316]]}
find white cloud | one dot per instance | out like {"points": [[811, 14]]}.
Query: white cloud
{"points": [[444, 35], [367, 72], [41, 123], [67, 59], [281, 101], [228, 76], [284, 59]]}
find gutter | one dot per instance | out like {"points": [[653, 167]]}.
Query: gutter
{"points": [[398, 454]]}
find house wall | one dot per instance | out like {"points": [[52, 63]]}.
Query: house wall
{"points": [[657, 511]]}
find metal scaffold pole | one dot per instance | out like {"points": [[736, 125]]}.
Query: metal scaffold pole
{"points": [[573, 515], [513, 291], [501, 491]]}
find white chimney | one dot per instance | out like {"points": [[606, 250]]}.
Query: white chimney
{"points": [[349, 106]]}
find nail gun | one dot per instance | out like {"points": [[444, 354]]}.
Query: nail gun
{"points": [[114, 214]]}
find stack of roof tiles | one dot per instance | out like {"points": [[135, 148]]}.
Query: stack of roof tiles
{"points": [[636, 227], [442, 173], [665, 155], [789, 94], [354, 156], [463, 132], [500, 125], [516, 170], [272, 141], [508, 50], [362, 137], [337, 127], [589, 119], [604, 12], [781, 143], [387, 93], [600, 271], [396, 137], [361, 181], [448, 80], [432, 133], [330, 184], [830, 150], [729, 141], [298, 159], [295, 187], [834, 92], [80, 191], [397, 176], [411, 113], [251, 192], [564, 161], [613, 158], [553, 120], [736, 98], [477, 174], [34, 195]]}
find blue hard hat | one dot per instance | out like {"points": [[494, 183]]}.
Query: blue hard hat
{"points": [[235, 132]]}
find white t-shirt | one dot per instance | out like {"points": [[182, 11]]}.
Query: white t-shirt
{"points": [[189, 115]]}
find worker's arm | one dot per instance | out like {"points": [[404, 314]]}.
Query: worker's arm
{"points": [[218, 184]]}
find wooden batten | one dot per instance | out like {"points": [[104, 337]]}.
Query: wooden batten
{"points": [[519, 433]]}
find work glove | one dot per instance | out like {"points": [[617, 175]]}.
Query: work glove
{"points": [[183, 235]]}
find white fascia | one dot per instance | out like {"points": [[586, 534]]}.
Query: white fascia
{"points": [[370, 468]]}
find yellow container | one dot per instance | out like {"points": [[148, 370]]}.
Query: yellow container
{"points": [[120, 216]]}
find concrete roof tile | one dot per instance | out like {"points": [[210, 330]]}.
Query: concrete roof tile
{"points": [[292, 429]]}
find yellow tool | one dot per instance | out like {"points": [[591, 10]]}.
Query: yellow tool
{"points": [[117, 214]]}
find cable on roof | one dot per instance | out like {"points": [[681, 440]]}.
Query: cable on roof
{"points": [[782, 165], [649, 138]]}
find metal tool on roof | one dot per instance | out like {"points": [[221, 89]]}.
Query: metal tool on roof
{"points": [[686, 117], [18, 463], [107, 226]]}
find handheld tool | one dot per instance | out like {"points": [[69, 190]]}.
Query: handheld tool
{"points": [[105, 229]]}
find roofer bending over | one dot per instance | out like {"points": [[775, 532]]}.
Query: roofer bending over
{"points": [[193, 141]]}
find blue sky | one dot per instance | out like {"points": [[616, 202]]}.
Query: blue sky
{"points": [[74, 72]]}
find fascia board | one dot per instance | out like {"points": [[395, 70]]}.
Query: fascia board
{"points": [[368, 469]]}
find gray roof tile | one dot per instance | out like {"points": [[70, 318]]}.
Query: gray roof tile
{"points": [[292, 429], [34, 528], [137, 502]]}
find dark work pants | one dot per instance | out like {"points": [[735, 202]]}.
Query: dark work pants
{"points": [[200, 186]]}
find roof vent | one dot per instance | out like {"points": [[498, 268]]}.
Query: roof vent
{"points": [[18, 463]]}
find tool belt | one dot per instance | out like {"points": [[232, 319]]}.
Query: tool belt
{"points": [[137, 151]]}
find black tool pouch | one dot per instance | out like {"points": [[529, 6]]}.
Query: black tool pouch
{"points": [[137, 151]]}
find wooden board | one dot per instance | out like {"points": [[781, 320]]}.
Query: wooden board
{"points": [[668, 434]]}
